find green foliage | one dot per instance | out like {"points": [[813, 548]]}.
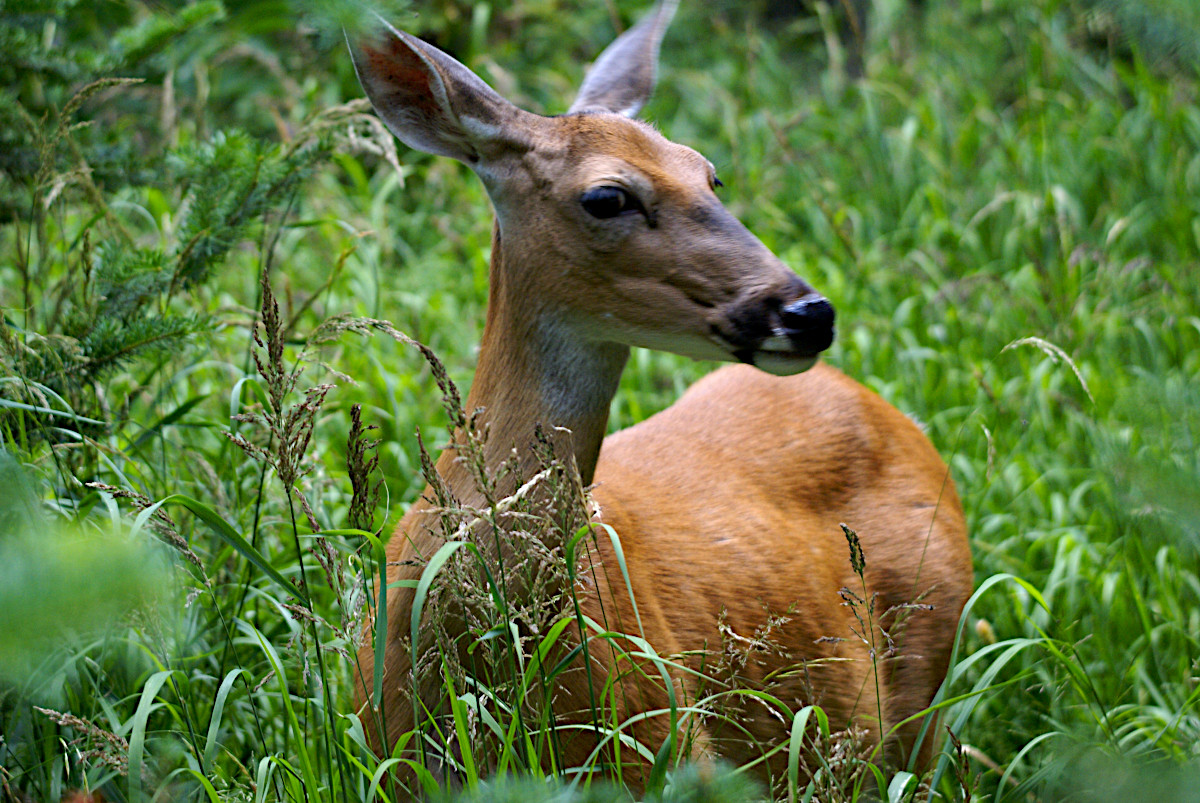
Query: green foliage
{"points": [[67, 591], [1005, 216], [714, 785], [48, 50], [1100, 776], [59, 589], [232, 181], [94, 294], [1162, 30]]}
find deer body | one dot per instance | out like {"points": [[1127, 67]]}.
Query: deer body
{"points": [[727, 504], [758, 538]]}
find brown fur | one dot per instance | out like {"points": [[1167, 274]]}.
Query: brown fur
{"points": [[728, 504], [740, 513]]}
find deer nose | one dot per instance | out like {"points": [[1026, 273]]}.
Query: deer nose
{"points": [[808, 323]]}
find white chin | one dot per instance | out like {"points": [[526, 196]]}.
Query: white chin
{"points": [[782, 364]]}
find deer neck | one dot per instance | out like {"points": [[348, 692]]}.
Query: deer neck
{"points": [[536, 368]]}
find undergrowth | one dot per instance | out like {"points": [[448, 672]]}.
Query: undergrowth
{"points": [[209, 428]]}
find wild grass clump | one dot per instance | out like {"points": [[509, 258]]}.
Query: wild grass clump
{"points": [[497, 627], [1005, 214]]}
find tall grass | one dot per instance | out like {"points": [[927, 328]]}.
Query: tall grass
{"points": [[1008, 221]]}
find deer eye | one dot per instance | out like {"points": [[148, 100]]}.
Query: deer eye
{"points": [[608, 202]]}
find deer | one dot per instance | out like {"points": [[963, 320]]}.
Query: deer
{"points": [[728, 504]]}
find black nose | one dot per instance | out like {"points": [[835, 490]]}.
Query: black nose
{"points": [[808, 323]]}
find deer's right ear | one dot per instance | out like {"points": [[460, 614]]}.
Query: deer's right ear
{"points": [[430, 101]]}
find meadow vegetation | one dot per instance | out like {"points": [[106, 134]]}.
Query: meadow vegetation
{"points": [[215, 277]]}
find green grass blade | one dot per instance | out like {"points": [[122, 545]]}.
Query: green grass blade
{"points": [[78, 419], [137, 735], [428, 575], [620, 555], [460, 713], [230, 536], [902, 785], [166, 421], [214, 723], [381, 772], [796, 745]]}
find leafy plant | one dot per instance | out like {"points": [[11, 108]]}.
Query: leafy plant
{"points": [[1004, 214]]}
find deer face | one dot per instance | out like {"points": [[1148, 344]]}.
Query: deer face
{"points": [[620, 234], [607, 229]]}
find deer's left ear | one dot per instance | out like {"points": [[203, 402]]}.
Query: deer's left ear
{"points": [[621, 80], [431, 102]]}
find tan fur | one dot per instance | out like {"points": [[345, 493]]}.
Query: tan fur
{"points": [[741, 511], [728, 504]]}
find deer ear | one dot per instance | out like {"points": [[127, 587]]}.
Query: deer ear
{"points": [[430, 101], [621, 80]]}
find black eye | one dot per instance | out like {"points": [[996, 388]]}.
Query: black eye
{"points": [[608, 202], [717, 183]]}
